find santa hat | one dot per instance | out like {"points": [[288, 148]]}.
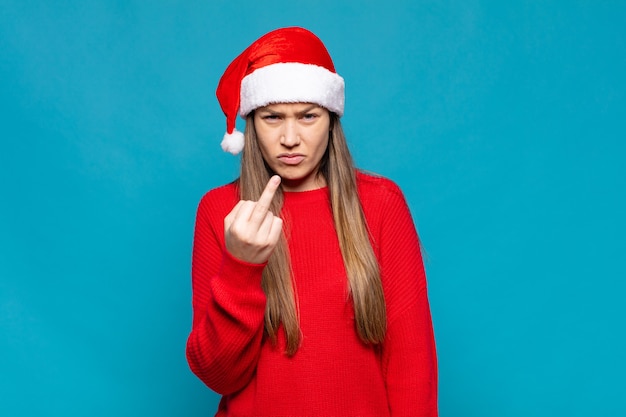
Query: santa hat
{"points": [[288, 65]]}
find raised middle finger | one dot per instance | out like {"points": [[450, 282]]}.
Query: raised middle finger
{"points": [[263, 204]]}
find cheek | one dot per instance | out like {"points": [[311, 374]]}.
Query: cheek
{"points": [[264, 150], [322, 142], [323, 145]]}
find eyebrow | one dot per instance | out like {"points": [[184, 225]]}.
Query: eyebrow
{"points": [[300, 113]]}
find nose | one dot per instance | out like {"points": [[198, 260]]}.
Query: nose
{"points": [[290, 136]]}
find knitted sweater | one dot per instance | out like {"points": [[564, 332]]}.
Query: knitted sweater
{"points": [[333, 373]]}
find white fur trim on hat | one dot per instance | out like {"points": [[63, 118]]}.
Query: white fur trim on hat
{"points": [[292, 82], [233, 142]]}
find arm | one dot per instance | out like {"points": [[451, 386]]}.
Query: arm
{"points": [[228, 308], [228, 301], [408, 355], [410, 363]]}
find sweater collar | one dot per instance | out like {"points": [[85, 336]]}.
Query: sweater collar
{"points": [[307, 197]]}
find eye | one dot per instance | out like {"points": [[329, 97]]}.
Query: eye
{"points": [[271, 118], [309, 117]]}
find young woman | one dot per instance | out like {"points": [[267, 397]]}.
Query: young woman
{"points": [[309, 294]]}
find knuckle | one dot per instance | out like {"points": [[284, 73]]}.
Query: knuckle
{"points": [[248, 240], [237, 231]]}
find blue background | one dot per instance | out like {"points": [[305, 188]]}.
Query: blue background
{"points": [[503, 122]]}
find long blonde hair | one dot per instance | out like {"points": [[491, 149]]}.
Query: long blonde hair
{"points": [[359, 259]]}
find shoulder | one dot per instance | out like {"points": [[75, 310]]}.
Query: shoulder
{"points": [[376, 189], [219, 200], [383, 203], [229, 190]]}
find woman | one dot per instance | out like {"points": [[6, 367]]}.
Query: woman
{"points": [[309, 294]]}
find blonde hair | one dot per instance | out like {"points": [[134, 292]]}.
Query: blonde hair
{"points": [[359, 259]]}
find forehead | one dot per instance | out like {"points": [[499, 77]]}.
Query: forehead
{"points": [[289, 107]]}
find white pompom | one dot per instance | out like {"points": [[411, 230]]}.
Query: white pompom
{"points": [[233, 142]]}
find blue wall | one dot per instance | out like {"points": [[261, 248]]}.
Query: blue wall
{"points": [[504, 123]]}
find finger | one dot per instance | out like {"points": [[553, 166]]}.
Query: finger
{"points": [[230, 217], [245, 210], [266, 225], [263, 205], [275, 230]]}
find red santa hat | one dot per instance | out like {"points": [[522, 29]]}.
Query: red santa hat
{"points": [[288, 65]]}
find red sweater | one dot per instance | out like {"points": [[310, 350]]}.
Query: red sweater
{"points": [[333, 373]]}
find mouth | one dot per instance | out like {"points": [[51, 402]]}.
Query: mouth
{"points": [[290, 158]]}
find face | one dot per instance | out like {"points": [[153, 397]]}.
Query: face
{"points": [[293, 138]]}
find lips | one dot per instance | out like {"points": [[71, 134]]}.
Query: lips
{"points": [[291, 158]]}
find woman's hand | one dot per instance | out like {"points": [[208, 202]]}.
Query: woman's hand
{"points": [[251, 230]]}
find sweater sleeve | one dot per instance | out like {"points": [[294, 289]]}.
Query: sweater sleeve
{"points": [[408, 353], [228, 308]]}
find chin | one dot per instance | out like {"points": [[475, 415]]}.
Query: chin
{"points": [[291, 174]]}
